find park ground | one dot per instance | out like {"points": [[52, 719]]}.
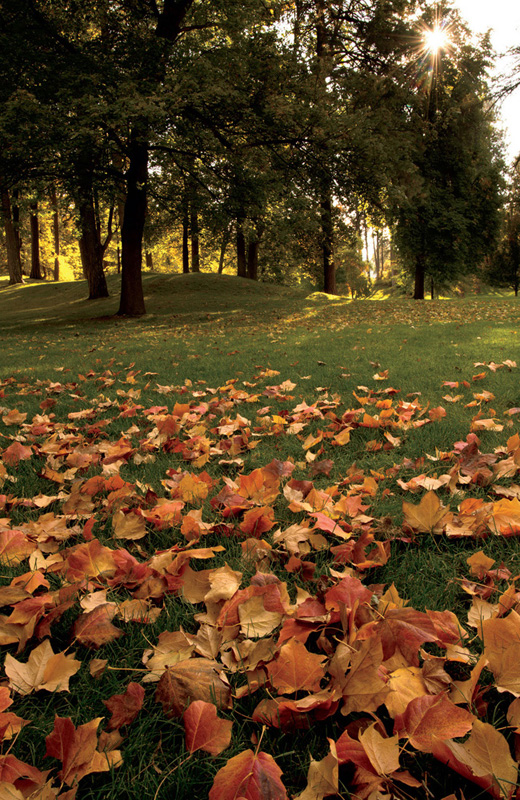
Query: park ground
{"points": [[299, 512]]}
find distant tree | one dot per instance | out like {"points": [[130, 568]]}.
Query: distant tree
{"points": [[449, 217], [503, 267]]}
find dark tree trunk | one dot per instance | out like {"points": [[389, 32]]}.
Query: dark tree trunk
{"points": [[132, 298], [252, 260], [16, 219], [194, 230], [327, 245], [252, 251], [36, 270], [14, 264], [91, 250], [223, 246], [241, 251], [420, 274], [56, 231], [185, 242], [149, 261], [432, 289]]}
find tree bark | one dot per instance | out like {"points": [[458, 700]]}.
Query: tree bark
{"points": [[252, 251], [149, 260], [132, 297], [14, 264], [91, 250], [185, 241], [36, 270], [194, 230], [420, 274], [325, 198], [327, 245], [16, 219], [56, 231], [223, 247], [241, 251]]}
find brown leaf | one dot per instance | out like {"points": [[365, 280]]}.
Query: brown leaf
{"points": [[429, 515], [76, 748], [429, 719], [322, 777], [204, 730], [249, 776], [483, 758], [125, 707], [296, 668], [189, 680], [43, 670], [95, 629]]}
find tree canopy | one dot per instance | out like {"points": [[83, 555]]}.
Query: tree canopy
{"points": [[269, 124]]}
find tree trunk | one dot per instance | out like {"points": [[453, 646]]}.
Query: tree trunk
{"points": [[327, 245], [91, 250], [223, 246], [185, 241], [252, 260], [420, 274], [241, 251], [36, 271], [132, 298], [16, 219], [56, 231], [14, 264], [149, 261], [432, 290], [194, 230], [252, 251]]}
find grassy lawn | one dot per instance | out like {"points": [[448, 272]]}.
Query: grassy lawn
{"points": [[279, 493]]}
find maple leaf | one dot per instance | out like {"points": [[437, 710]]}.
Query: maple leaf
{"points": [[257, 521], [76, 748], [431, 718], [295, 668], [429, 515], [322, 777], [505, 517], [501, 638], [249, 776], [124, 707], [204, 729], [15, 453], [43, 670], [95, 629], [484, 758], [189, 680], [11, 770], [128, 526], [14, 547]]}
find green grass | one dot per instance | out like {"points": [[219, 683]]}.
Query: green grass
{"points": [[202, 331]]}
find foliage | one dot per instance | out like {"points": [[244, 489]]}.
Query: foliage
{"points": [[449, 220], [311, 540]]}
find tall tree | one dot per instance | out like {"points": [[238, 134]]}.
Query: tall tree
{"points": [[449, 219]]}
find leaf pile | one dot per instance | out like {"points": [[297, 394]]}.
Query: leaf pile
{"points": [[286, 628]]}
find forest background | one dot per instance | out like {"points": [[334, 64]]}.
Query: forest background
{"points": [[280, 141]]}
